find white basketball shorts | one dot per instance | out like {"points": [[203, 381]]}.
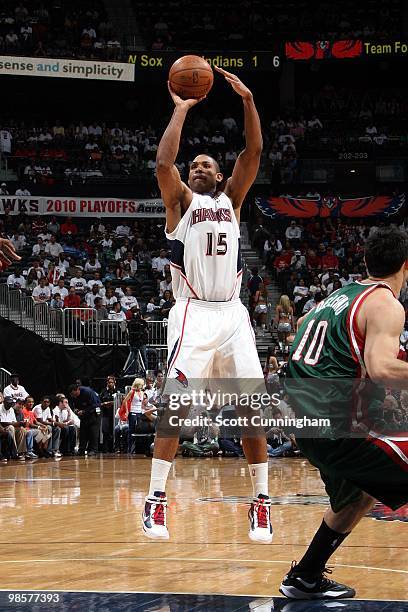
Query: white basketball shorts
{"points": [[208, 340]]}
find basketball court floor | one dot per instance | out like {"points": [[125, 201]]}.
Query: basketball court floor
{"points": [[71, 528]]}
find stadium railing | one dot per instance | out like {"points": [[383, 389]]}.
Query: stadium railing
{"points": [[74, 325], [4, 378]]}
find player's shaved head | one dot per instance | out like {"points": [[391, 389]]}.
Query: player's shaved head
{"points": [[204, 175]]}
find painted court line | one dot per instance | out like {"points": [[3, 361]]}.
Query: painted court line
{"points": [[189, 560]]}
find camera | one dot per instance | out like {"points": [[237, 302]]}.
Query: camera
{"points": [[138, 334]]}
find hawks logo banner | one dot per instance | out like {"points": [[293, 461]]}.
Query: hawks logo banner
{"points": [[323, 49], [331, 206]]}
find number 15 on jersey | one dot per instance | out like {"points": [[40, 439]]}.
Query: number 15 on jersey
{"points": [[216, 246]]}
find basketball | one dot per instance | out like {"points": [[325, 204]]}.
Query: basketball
{"points": [[191, 77]]}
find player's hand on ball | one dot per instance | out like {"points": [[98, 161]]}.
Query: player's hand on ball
{"points": [[236, 83], [189, 103], [7, 253]]}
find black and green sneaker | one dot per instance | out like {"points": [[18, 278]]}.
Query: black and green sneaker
{"points": [[297, 585]]}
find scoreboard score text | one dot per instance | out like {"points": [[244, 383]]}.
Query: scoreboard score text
{"points": [[262, 60]]}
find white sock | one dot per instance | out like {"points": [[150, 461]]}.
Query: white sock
{"points": [[158, 477], [259, 477]]}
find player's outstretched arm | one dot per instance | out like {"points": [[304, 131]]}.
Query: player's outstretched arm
{"points": [[382, 339], [247, 165], [174, 192], [8, 253]]}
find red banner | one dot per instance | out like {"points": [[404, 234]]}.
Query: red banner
{"points": [[331, 206], [323, 49]]}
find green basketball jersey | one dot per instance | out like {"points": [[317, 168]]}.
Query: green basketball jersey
{"points": [[326, 368]]}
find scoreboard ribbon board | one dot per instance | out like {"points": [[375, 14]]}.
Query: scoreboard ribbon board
{"points": [[254, 60]]}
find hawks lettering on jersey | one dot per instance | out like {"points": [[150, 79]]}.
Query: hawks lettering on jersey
{"points": [[206, 256]]}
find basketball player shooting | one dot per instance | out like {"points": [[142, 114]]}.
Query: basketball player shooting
{"points": [[209, 329], [352, 338]]}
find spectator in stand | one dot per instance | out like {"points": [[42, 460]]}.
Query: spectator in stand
{"points": [[165, 285], [271, 371], [92, 265], [14, 389], [78, 282], [166, 304], [43, 415], [53, 226], [63, 262], [317, 286], [53, 248], [101, 312], [72, 300], [116, 313], [35, 431], [16, 280], [284, 322], [338, 249], [279, 444], [272, 247], [281, 265], [312, 302], [314, 261], [18, 240], [96, 280], [298, 261], [60, 289], [91, 296], [54, 274], [87, 407], [31, 282], [293, 233], [23, 432], [39, 248], [300, 293], [37, 269], [57, 301], [153, 309], [128, 300], [68, 228], [107, 397], [329, 260], [130, 264], [9, 425], [22, 192], [42, 293], [159, 263], [345, 279], [110, 298], [334, 286], [64, 419], [123, 230]]}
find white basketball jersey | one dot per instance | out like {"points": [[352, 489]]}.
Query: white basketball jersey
{"points": [[206, 255]]}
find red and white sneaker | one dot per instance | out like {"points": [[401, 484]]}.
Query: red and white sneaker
{"points": [[154, 517], [259, 515]]}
